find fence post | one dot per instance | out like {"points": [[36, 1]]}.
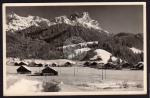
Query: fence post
{"points": [[74, 70], [105, 73], [102, 73]]}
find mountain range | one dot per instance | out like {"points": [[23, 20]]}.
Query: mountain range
{"points": [[36, 37], [16, 22]]}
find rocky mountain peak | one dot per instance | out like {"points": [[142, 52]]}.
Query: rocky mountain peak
{"points": [[74, 16], [12, 16], [85, 15], [16, 22]]}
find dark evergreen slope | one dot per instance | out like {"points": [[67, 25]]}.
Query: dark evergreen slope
{"points": [[130, 40], [42, 43]]}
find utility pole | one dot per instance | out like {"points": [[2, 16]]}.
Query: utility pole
{"points": [[39, 69], [60, 69]]}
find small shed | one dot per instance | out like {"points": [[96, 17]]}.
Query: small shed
{"points": [[46, 65], [49, 71], [54, 65], [101, 66], [22, 63], [23, 69], [39, 65], [16, 64], [93, 65], [140, 65], [68, 64], [109, 65]]}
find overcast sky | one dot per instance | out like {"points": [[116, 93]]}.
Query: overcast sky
{"points": [[114, 18]]}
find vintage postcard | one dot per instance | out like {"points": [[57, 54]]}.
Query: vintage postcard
{"points": [[94, 48]]}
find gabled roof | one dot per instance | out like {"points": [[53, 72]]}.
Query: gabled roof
{"points": [[21, 62], [49, 68], [139, 64], [25, 67]]}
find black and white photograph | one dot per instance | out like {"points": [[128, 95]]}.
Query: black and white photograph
{"points": [[74, 48]]}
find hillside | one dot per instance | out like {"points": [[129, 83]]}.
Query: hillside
{"points": [[42, 42]]}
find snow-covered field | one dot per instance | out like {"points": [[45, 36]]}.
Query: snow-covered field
{"points": [[74, 79], [105, 56]]}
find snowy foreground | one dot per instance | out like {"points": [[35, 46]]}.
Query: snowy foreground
{"points": [[84, 79]]}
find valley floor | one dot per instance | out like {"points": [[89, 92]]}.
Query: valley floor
{"points": [[75, 79]]}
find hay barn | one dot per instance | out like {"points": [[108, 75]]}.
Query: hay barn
{"points": [[139, 66], [68, 64], [49, 71], [54, 65], [23, 69]]}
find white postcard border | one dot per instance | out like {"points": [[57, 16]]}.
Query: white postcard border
{"points": [[76, 93]]}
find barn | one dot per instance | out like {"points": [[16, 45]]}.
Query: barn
{"points": [[68, 64], [86, 64], [23, 69], [49, 71], [109, 65]]}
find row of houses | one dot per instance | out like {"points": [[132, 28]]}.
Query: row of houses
{"points": [[33, 64], [110, 65], [23, 69]]}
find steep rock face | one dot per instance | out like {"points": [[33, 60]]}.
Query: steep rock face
{"points": [[76, 20], [88, 22], [15, 22]]}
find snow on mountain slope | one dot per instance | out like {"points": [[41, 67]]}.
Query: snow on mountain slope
{"points": [[81, 53], [84, 44], [84, 21], [135, 50], [105, 56], [15, 22]]}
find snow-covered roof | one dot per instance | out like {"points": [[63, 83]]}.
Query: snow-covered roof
{"points": [[25, 67]]}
